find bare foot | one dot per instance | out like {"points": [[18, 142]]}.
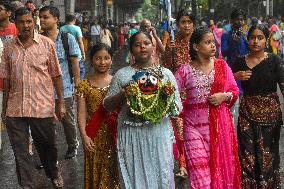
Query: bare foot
{"points": [[182, 173]]}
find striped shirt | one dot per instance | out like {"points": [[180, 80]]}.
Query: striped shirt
{"points": [[30, 72]]}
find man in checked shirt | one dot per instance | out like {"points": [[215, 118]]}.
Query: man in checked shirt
{"points": [[31, 71]]}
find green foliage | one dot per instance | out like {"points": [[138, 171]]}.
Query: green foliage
{"points": [[151, 107], [150, 9], [203, 3], [152, 2], [155, 2]]}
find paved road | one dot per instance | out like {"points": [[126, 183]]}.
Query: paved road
{"points": [[72, 170]]}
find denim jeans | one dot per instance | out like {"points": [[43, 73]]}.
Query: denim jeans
{"points": [[69, 123], [82, 69]]}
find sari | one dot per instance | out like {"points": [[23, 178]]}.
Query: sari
{"points": [[210, 142], [224, 173], [100, 166]]}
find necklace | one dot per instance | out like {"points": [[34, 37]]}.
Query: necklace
{"points": [[198, 66], [252, 60], [136, 66], [150, 105]]}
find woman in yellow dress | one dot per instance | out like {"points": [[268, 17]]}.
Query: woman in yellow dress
{"points": [[97, 126]]}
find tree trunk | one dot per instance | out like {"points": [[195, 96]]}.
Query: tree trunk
{"points": [[181, 5], [67, 7], [194, 7]]}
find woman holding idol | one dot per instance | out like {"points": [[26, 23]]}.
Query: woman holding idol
{"points": [[147, 97]]}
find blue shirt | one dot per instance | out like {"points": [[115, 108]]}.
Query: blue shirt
{"points": [[76, 32], [232, 49], [227, 27], [73, 51]]}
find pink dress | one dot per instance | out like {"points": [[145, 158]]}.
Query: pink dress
{"points": [[197, 134], [218, 32]]}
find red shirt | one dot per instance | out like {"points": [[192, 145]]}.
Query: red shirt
{"points": [[6, 35]]}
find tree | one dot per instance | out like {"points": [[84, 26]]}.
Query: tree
{"points": [[150, 10]]}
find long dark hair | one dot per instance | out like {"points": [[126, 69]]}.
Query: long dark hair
{"points": [[196, 37]]}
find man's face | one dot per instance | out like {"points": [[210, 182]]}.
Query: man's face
{"points": [[4, 14], [238, 22], [145, 26], [36, 13], [25, 25], [47, 21]]}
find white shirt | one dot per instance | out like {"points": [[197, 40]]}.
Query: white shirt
{"points": [[95, 30], [1, 47]]}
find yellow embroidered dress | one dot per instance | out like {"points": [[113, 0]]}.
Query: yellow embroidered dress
{"points": [[101, 170]]}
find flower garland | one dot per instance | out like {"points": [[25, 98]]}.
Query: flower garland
{"points": [[151, 107]]}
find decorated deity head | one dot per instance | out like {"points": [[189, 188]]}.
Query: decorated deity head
{"points": [[148, 82]]}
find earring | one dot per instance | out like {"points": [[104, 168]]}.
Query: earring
{"points": [[267, 45]]}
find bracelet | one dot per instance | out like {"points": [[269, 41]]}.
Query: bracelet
{"points": [[229, 96]]}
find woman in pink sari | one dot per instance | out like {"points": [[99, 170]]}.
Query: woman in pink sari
{"points": [[209, 138]]}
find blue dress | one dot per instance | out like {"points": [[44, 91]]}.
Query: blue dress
{"points": [[145, 150]]}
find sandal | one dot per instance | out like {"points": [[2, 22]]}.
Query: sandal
{"points": [[58, 182]]}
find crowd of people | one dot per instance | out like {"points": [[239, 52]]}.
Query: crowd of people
{"points": [[180, 98]]}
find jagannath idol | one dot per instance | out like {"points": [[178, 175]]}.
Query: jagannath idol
{"points": [[148, 97]]}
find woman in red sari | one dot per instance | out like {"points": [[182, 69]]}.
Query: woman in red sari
{"points": [[98, 131], [210, 142]]}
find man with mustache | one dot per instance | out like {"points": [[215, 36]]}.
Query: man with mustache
{"points": [[31, 71], [234, 41]]}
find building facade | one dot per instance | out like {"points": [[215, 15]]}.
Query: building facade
{"points": [[115, 10]]}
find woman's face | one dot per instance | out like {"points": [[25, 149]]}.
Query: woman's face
{"points": [[206, 47], [185, 25], [257, 41], [142, 48], [102, 61]]}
